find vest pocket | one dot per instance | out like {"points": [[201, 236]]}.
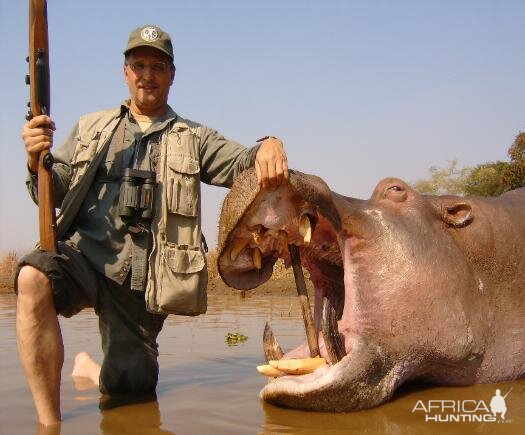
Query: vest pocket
{"points": [[183, 184], [183, 259], [80, 163], [181, 282]]}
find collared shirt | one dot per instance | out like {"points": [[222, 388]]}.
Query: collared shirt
{"points": [[98, 230], [88, 205]]}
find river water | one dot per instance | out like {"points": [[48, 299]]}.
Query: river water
{"points": [[209, 387]]}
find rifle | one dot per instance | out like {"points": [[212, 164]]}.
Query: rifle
{"points": [[38, 81], [508, 392]]}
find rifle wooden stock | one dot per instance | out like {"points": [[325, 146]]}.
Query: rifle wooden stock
{"points": [[39, 83]]}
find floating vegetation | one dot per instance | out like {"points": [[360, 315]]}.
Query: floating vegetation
{"points": [[235, 338]]}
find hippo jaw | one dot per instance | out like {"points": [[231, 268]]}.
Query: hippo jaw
{"points": [[259, 237], [421, 287], [328, 388]]}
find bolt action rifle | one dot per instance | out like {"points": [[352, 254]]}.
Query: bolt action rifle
{"points": [[38, 81]]}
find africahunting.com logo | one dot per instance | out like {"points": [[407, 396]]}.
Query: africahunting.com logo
{"points": [[467, 410]]}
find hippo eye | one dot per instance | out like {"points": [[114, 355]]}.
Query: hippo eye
{"points": [[395, 193]]}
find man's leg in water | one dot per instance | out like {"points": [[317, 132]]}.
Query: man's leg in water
{"points": [[48, 283], [129, 341], [39, 341]]}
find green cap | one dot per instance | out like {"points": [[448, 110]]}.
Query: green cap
{"points": [[150, 36]]}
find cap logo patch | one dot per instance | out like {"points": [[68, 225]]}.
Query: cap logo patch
{"points": [[149, 34]]}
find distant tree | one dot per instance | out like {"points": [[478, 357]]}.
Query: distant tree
{"points": [[442, 181], [8, 265], [486, 179], [517, 150], [514, 174]]}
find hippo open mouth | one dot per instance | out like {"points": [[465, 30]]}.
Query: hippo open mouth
{"points": [[296, 215], [380, 316], [256, 247]]}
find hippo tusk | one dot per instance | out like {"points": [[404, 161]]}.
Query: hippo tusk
{"points": [[305, 229], [256, 257], [238, 246], [298, 366], [272, 349], [311, 334], [268, 370], [332, 338]]}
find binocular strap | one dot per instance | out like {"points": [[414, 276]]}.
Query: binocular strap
{"points": [[139, 262]]}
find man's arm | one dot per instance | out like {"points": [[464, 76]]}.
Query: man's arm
{"points": [[222, 160], [35, 140]]}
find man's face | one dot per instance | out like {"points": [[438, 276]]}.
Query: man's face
{"points": [[149, 75]]}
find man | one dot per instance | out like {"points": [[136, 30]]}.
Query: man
{"points": [[113, 248], [498, 405]]}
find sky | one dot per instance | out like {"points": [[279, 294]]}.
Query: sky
{"points": [[357, 90]]}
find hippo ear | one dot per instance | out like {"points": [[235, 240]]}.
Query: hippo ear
{"points": [[457, 215]]}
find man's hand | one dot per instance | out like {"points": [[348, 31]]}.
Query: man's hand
{"points": [[271, 164], [37, 135]]}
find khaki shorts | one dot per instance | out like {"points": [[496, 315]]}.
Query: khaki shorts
{"points": [[129, 333]]}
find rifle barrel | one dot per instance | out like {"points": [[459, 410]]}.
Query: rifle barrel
{"points": [[40, 102]]}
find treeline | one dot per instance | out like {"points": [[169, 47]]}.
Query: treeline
{"points": [[485, 179], [7, 270]]}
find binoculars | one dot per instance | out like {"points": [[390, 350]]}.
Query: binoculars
{"points": [[136, 196]]}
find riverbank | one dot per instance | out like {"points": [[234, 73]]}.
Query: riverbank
{"points": [[282, 281], [7, 271]]}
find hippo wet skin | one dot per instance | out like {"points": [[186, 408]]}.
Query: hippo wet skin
{"points": [[428, 288]]}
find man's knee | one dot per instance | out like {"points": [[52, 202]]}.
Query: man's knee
{"points": [[136, 374], [33, 285]]}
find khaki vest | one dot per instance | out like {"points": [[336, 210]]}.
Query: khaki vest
{"points": [[177, 275]]}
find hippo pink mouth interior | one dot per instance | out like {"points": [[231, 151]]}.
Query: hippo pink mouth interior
{"points": [[274, 221]]}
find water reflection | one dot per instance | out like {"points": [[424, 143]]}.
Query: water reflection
{"points": [[206, 386], [141, 418], [402, 415], [134, 419]]}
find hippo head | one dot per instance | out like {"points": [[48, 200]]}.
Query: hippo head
{"points": [[403, 275]]}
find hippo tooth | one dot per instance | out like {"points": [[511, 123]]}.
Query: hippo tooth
{"points": [[305, 229], [257, 235], [256, 257], [298, 366], [268, 370], [332, 338], [238, 246], [272, 349], [311, 333]]}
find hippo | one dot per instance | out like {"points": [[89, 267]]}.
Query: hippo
{"points": [[408, 287]]}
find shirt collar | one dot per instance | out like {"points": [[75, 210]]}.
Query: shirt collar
{"points": [[169, 116]]}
